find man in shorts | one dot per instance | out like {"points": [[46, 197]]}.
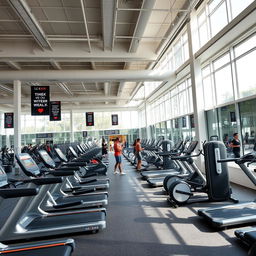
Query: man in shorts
{"points": [[118, 156]]}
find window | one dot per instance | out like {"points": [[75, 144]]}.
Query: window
{"points": [[248, 124]]}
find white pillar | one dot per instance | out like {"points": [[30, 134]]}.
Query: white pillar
{"points": [[72, 138], [197, 94], [17, 119]]}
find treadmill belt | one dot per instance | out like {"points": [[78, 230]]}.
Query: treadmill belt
{"points": [[231, 215], [62, 220], [58, 250], [87, 198]]}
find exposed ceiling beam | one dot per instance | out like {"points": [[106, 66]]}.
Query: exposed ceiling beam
{"points": [[6, 88], [76, 98], [13, 65], [85, 75], [114, 26], [85, 24], [55, 64], [108, 9], [93, 65], [141, 24], [65, 88], [91, 107], [23, 11], [25, 51]]}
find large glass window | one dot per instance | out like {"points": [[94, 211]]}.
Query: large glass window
{"points": [[223, 79], [248, 124], [218, 18], [245, 54]]}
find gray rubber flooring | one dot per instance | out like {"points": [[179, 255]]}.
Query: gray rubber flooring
{"points": [[141, 222]]}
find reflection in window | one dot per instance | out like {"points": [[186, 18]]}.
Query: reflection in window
{"points": [[248, 124]]}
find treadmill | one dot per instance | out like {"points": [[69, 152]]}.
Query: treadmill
{"points": [[100, 168], [238, 214], [56, 200], [27, 221], [62, 247], [86, 173], [74, 180], [185, 169]]}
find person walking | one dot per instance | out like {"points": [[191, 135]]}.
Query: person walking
{"points": [[118, 156], [235, 145], [138, 155]]}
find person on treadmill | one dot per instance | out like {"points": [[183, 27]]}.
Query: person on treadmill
{"points": [[118, 156], [235, 145]]}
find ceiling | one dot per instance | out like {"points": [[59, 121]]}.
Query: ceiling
{"points": [[84, 35]]}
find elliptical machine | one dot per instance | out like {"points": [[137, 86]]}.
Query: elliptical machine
{"points": [[216, 183]]}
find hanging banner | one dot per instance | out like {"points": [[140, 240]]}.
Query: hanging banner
{"points": [[184, 122], [55, 111], [192, 121], [89, 119], [114, 119], [40, 98], [8, 120]]}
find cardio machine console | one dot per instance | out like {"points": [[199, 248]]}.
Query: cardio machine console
{"points": [[3, 177], [60, 155], [27, 164], [46, 159], [73, 152]]}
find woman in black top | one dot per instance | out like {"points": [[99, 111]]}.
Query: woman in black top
{"points": [[235, 144], [104, 147]]}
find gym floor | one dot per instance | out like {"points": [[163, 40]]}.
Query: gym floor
{"points": [[141, 222]]}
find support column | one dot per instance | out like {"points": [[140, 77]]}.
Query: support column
{"points": [[17, 119], [72, 137], [197, 94]]}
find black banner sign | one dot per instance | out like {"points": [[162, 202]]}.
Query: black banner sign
{"points": [[40, 98], [55, 111], [89, 119], [184, 122], [85, 134], [192, 121], [114, 119], [8, 120]]}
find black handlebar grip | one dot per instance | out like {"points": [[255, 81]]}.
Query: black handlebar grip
{"points": [[19, 192]]}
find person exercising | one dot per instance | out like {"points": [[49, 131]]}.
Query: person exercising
{"points": [[235, 145], [118, 156], [138, 150]]}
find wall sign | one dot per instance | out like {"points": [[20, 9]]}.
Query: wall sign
{"points": [[192, 121], [40, 98], [114, 119], [55, 111], [233, 116], [111, 132], [89, 119], [184, 122], [44, 135], [8, 120]]}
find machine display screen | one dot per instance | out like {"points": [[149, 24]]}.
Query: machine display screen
{"points": [[46, 158], [61, 155], [3, 177], [29, 164]]}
